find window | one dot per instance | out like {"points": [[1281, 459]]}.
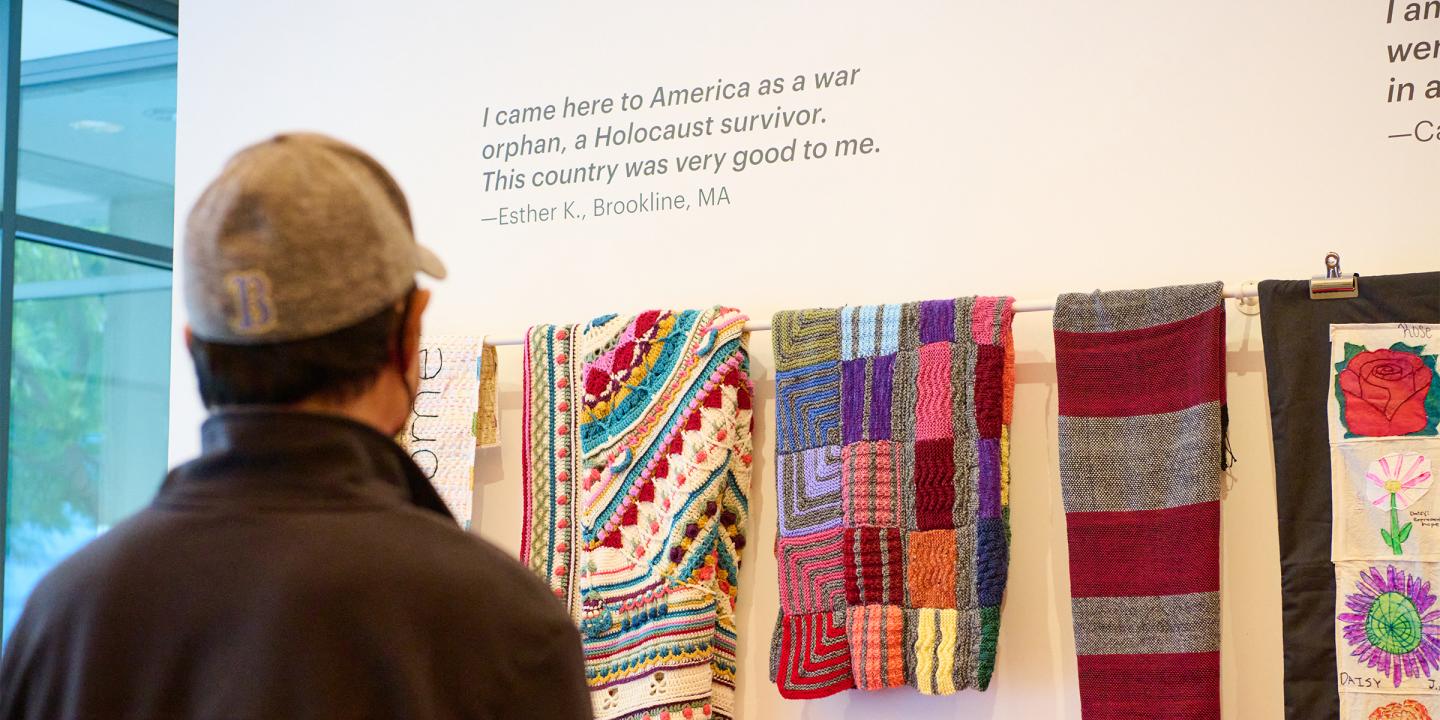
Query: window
{"points": [[97, 122], [87, 220], [89, 393]]}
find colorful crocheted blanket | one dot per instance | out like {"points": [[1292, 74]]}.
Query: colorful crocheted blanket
{"points": [[893, 494], [1142, 412], [637, 467]]}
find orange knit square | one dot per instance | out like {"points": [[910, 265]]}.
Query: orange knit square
{"points": [[931, 569]]}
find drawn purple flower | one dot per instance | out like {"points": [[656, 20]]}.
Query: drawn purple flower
{"points": [[1393, 626]]}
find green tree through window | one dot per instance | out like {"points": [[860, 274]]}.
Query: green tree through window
{"points": [[89, 344]]}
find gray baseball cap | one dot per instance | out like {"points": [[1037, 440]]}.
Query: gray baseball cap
{"points": [[301, 235]]}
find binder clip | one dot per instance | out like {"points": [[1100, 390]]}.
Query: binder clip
{"points": [[1332, 286]]}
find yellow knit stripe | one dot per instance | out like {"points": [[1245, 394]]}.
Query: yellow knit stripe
{"points": [[1004, 466], [925, 651], [945, 651]]}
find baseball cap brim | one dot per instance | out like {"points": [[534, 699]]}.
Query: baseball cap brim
{"points": [[426, 261]]}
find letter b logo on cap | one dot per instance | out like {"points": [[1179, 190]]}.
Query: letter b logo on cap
{"points": [[253, 308]]}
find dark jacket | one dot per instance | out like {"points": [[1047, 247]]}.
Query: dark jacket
{"points": [[302, 567]]}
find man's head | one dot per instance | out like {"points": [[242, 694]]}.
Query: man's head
{"points": [[298, 273]]}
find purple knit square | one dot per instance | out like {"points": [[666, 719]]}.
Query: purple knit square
{"points": [[810, 491], [852, 400], [989, 451], [882, 382], [937, 321]]}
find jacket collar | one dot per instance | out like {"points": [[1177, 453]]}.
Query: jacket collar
{"points": [[267, 459]]}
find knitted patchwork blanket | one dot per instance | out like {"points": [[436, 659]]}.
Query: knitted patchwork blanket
{"points": [[1142, 413], [637, 467], [893, 494]]}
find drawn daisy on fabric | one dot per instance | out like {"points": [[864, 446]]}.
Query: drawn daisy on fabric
{"points": [[1399, 480], [1392, 624]]}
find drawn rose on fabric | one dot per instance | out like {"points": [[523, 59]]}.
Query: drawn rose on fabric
{"points": [[1408, 710], [1399, 480], [1393, 625], [1387, 392]]}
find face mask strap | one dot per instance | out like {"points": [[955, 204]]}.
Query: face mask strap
{"points": [[399, 348]]}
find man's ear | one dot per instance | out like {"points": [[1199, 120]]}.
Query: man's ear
{"points": [[410, 330]]}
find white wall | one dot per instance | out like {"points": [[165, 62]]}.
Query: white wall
{"points": [[1028, 148]]}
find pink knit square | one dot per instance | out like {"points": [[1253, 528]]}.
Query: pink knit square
{"points": [[870, 488], [932, 407], [812, 571], [982, 320]]}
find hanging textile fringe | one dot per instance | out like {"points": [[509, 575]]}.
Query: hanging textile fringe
{"points": [[487, 427]]}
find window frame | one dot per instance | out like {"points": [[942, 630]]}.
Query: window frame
{"points": [[155, 14]]}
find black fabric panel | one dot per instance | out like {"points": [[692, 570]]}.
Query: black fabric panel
{"points": [[1296, 331]]}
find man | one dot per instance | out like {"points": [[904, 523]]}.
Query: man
{"points": [[302, 566]]}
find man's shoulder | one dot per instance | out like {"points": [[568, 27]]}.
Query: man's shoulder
{"points": [[108, 555], [473, 562], [405, 550], [155, 590], [471, 586]]}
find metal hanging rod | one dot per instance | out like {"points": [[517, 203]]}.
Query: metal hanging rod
{"points": [[1248, 290]]}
